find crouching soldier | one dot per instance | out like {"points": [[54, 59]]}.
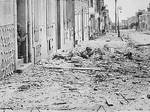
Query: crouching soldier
{"points": [[21, 41]]}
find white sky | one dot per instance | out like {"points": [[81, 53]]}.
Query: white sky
{"points": [[129, 7]]}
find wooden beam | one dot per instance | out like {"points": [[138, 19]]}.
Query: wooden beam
{"points": [[142, 45], [74, 68]]}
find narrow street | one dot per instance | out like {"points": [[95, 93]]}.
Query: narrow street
{"points": [[102, 75]]}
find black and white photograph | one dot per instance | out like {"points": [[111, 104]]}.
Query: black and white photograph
{"points": [[74, 55]]}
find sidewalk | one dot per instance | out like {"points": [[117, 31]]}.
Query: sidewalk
{"points": [[140, 38], [147, 32]]}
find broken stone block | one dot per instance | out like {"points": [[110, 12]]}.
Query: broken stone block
{"points": [[99, 78], [84, 55], [8, 110], [97, 57], [129, 55], [78, 65], [57, 56], [24, 88], [76, 59]]}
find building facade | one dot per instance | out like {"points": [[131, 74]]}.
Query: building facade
{"points": [[132, 20], [7, 37], [144, 20], [99, 17], [124, 24], [30, 30], [81, 21]]}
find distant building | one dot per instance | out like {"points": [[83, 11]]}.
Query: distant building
{"points": [[81, 20], [131, 20], [144, 20], [99, 17], [124, 24]]}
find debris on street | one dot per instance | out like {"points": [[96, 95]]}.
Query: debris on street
{"points": [[97, 76]]}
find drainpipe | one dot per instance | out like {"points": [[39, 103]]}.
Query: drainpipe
{"points": [[74, 39], [118, 27], [115, 16]]}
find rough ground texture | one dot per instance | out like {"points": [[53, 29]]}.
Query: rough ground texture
{"points": [[121, 83]]}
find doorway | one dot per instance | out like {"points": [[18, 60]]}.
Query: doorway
{"points": [[82, 24], [58, 25], [23, 41]]}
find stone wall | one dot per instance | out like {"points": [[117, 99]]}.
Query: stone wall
{"points": [[7, 38], [81, 21]]}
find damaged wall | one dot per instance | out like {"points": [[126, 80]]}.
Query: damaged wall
{"points": [[81, 20], [144, 21], [51, 25], [67, 24], [7, 37]]}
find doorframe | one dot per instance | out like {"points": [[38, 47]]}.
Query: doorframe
{"points": [[15, 33], [28, 30], [82, 23], [58, 40]]}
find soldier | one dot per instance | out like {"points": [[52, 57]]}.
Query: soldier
{"points": [[21, 37]]}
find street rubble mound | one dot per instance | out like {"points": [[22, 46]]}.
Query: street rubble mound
{"points": [[105, 75], [111, 56]]}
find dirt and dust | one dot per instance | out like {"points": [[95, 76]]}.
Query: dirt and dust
{"points": [[103, 75]]}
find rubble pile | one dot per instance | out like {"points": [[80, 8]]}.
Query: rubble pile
{"points": [[113, 56], [99, 76]]}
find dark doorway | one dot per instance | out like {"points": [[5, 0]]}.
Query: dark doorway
{"points": [[82, 23], [58, 25], [22, 31]]}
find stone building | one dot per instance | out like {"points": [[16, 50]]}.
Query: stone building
{"points": [[124, 24], [8, 37], [81, 21], [132, 20], [144, 20], [30, 30], [99, 17]]}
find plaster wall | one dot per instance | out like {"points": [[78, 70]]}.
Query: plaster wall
{"points": [[51, 25], [6, 12], [7, 37]]}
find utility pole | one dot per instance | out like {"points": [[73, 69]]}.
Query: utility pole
{"points": [[73, 8], [118, 25], [115, 16], [119, 11]]}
